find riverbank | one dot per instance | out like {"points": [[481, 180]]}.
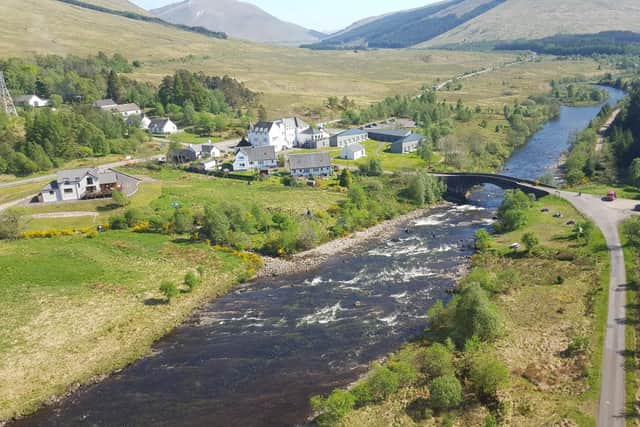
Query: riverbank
{"points": [[312, 259], [551, 311]]}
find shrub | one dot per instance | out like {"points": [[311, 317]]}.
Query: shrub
{"points": [[577, 346], [169, 290], [334, 408], [512, 211], [445, 393], [483, 240], [345, 178], [133, 216], [407, 374], [631, 229], [475, 315], [10, 225], [191, 280], [437, 361], [182, 220], [118, 222], [487, 375], [530, 241], [377, 387], [119, 198]]}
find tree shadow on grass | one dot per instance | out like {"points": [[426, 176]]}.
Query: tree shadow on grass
{"points": [[107, 208], [152, 302]]}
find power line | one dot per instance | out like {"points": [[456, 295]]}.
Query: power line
{"points": [[5, 98]]}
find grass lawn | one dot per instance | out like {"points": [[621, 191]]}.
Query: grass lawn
{"points": [[623, 191], [19, 192], [81, 311], [190, 138], [191, 189]]}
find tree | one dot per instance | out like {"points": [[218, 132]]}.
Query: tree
{"points": [[191, 280], [377, 387], [425, 151], [169, 290], [216, 225], [114, 89], [182, 220], [584, 231], [634, 172], [189, 113], [631, 230], [530, 241], [10, 224], [475, 315], [346, 178], [445, 393], [334, 408], [119, 198], [357, 196], [483, 240], [417, 190], [437, 361], [487, 375]]}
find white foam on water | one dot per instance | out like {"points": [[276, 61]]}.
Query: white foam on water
{"points": [[323, 316], [400, 296], [435, 219], [468, 208], [314, 282], [391, 320], [445, 248]]}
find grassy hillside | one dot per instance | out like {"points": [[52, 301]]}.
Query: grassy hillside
{"points": [[525, 19]]}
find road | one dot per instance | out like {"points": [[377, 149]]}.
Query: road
{"points": [[608, 216]]}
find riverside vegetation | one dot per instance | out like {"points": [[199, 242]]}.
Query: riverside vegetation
{"points": [[519, 343]]}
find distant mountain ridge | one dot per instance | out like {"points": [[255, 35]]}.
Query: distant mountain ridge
{"points": [[238, 19], [460, 22]]}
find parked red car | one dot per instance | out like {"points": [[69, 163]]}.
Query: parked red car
{"points": [[611, 196]]}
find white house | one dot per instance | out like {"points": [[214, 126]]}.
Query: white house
{"points": [[162, 127], [312, 164], [350, 136], [105, 104], [353, 152], [31, 101], [255, 158], [78, 184], [128, 110], [282, 134], [207, 150]]}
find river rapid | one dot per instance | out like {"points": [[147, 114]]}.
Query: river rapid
{"points": [[254, 357]]}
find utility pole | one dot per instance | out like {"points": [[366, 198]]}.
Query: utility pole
{"points": [[5, 98]]}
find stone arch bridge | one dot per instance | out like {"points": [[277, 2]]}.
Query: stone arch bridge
{"points": [[459, 185]]}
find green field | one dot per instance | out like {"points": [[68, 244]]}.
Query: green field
{"points": [[81, 311]]}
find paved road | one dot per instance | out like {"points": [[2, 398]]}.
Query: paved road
{"points": [[608, 216]]}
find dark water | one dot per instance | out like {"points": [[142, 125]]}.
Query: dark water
{"points": [[255, 356]]}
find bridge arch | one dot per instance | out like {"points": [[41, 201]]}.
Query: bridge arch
{"points": [[459, 185]]}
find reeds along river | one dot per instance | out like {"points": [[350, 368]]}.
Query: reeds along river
{"points": [[255, 356]]}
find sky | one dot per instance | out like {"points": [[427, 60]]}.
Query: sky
{"points": [[321, 15]]}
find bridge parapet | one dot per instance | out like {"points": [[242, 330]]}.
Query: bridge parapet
{"points": [[459, 185]]}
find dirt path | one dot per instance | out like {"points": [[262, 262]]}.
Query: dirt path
{"points": [[603, 130], [64, 215]]}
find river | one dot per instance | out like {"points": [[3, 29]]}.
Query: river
{"points": [[256, 355]]}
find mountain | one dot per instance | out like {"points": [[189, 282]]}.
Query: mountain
{"points": [[123, 5], [455, 22], [238, 19], [527, 19]]}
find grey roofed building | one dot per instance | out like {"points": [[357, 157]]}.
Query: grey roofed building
{"points": [[408, 144], [243, 143], [349, 136], [125, 108], [105, 103], [75, 175], [107, 177], [388, 135], [263, 126], [259, 154], [295, 122], [310, 164]]}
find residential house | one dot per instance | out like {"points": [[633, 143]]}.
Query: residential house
{"points": [[243, 143], [388, 135], [183, 155], [283, 134], [31, 101], [350, 136], [255, 158], [311, 164], [353, 152], [128, 110], [313, 138], [162, 126], [207, 150], [105, 104], [408, 144], [78, 184]]}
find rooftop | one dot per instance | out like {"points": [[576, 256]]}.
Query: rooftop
{"points": [[309, 161]]}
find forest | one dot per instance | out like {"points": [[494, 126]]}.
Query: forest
{"points": [[604, 43]]}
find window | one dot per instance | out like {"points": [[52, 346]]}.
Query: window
{"points": [[89, 181], [68, 190]]}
